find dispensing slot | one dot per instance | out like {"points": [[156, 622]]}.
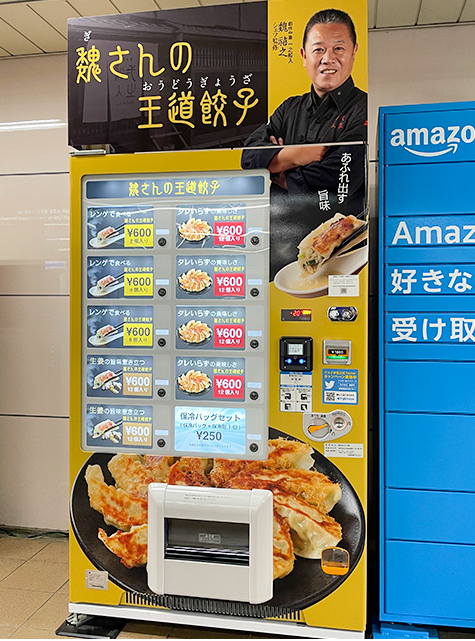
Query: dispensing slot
{"points": [[207, 541]]}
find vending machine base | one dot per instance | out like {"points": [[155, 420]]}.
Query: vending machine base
{"points": [[85, 626], [264, 626], [386, 630]]}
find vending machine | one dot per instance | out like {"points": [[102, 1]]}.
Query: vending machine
{"points": [[218, 352]]}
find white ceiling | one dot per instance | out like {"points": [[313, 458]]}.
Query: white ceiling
{"points": [[40, 26]]}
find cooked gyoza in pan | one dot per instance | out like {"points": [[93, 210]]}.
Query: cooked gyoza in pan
{"points": [[194, 230], [194, 332], [303, 497], [194, 382], [194, 281]]}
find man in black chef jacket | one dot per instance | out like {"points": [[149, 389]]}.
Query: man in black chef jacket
{"points": [[310, 183]]}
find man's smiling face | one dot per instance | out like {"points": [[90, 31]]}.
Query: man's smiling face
{"points": [[328, 56]]}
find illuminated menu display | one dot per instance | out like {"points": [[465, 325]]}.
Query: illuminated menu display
{"points": [[216, 327], [216, 378], [202, 429], [175, 273], [211, 276], [211, 225]]}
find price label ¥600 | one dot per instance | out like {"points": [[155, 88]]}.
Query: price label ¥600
{"points": [[229, 233], [138, 434], [137, 384], [229, 336], [138, 284], [138, 334], [138, 235], [229, 284], [228, 387]]}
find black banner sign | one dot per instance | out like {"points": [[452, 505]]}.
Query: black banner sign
{"points": [[163, 80]]}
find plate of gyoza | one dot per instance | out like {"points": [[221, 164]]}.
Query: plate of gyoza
{"points": [[315, 507]]}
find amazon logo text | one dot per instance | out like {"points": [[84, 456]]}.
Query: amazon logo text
{"points": [[448, 138]]}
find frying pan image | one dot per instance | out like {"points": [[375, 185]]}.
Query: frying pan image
{"points": [[306, 585]]}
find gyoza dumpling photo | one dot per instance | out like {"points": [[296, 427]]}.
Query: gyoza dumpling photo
{"points": [[302, 498], [312, 530], [319, 245]]}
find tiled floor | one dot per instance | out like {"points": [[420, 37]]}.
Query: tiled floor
{"points": [[34, 596]]}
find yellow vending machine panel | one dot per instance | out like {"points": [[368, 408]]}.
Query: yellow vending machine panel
{"points": [[314, 384]]}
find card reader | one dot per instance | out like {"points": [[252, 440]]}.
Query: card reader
{"points": [[296, 354]]}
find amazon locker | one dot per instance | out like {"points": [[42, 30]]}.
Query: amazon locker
{"points": [[426, 343]]}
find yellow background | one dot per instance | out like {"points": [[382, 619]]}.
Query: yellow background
{"points": [[289, 79]]}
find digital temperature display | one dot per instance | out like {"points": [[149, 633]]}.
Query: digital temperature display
{"points": [[295, 314]]}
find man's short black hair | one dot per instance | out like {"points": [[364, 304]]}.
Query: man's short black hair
{"points": [[330, 16]]}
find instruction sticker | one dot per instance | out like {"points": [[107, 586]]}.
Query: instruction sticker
{"points": [[295, 392], [340, 386]]}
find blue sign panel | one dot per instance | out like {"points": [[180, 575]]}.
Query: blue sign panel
{"points": [[438, 231], [430, 279], [427, 338], [430, 328], [340, 386], [428, 189], [430, 136], [161, 188]]}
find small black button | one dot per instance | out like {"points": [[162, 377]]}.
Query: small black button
{"points": [[254, 396], [161, 443], [255, 240], [161, 392], [253, 447], [162, 242], [162, 291], [254, 344], [161, 342], [254, 292]]}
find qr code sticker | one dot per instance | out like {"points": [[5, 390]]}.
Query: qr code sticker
{"points": [[330, 397]]}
